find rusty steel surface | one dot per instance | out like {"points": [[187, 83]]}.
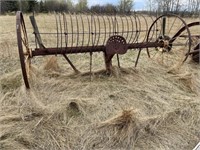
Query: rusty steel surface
{"points": [[196, 53], [110, 34], [23, 48], [116, 45], [87, 49], [175, 44], [79, 30]]}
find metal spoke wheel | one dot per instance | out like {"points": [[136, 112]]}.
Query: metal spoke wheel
{"points": [[195, 40], [168, 30], [23, 47]]}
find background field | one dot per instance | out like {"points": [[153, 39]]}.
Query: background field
{"points": [[148, 107]]}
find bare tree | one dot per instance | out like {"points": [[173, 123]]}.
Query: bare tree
{"points": [[151, 5], [178, 6], [70, 5], [125, 6], [193, 6], [82, 5], [164, 5]]}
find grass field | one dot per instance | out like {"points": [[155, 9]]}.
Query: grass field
{"points": [[148, 107]]}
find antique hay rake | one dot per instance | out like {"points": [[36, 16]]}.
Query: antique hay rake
{"points": [[165, 36]]}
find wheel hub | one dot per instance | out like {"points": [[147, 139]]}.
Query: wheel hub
{"points": [[167, 45]]}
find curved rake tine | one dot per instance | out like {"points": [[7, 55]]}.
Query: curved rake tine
{"points": [[116, 28], [91, 22], [158, 31], [116, 32], [83, 34], [89, 27], [131, 30], [61, 33], [65, 29], [105, 33], [136, 29], [127, 27], [99, 30], [72, 31], [122, 25], [145, 26], [139, 29], [95, 31], [116, 25], [66, 42], [77, 32], [109, 25], [92, 44], [113, 26], [154, 30], [57, 29]]}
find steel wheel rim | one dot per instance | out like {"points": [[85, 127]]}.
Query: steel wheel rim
{"points": [[23, 42], [176, 54]]}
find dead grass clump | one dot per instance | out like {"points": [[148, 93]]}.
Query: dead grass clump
{"points": [[176, 68], [35, 126], [73, 108], [52, 64], [120, 132], [166, 130], [130, 130], [7, 47], [11, 81], [104, 74], [189, 80]]}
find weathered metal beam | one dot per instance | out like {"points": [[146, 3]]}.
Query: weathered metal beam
{"points": [[88, 49]]}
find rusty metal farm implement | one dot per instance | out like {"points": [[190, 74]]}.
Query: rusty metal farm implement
{"points": [[167, 37]]}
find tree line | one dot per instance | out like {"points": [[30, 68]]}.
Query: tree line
{"points": [[186, 7], [124, 6]]}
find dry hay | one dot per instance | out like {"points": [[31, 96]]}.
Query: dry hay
{"points": [[52, 64], [148, 107], [129, 130], [130, 109]]}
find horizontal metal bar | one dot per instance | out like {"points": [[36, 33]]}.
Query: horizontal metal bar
{"points": [[193, 52], [88, 49], [145, 45], [67, 50], [185, 36], [97, 33]]}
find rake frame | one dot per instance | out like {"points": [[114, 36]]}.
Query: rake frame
{"points": [[116, 40]]}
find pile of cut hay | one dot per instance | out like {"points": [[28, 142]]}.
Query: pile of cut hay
{"points": [[143, 108]]}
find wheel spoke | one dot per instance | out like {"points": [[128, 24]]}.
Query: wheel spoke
{"points": [[25, 44], [172, 25]]}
